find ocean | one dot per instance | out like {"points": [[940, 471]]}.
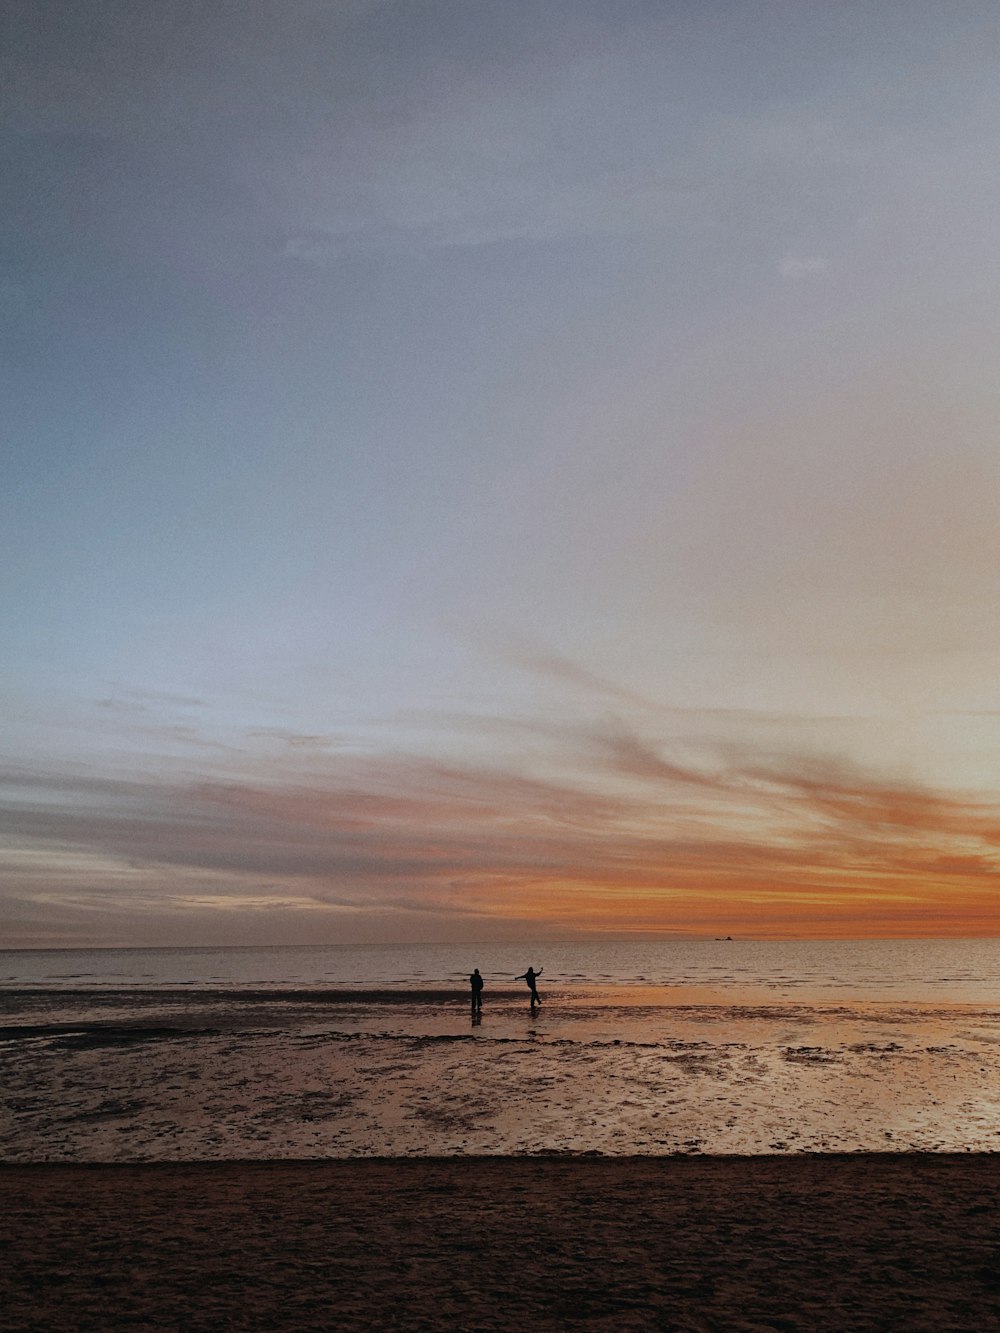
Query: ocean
{"points": [[922, 971]]}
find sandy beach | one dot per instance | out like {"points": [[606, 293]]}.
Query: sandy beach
{"points": [[379, 1160], [807, 1242]]}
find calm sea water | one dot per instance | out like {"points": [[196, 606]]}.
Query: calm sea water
{"points": [[958, 971]]}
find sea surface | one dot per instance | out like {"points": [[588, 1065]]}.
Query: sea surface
{"points": [[924, 971]]}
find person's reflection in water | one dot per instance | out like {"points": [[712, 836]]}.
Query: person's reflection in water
{"points": [[529, 977]]}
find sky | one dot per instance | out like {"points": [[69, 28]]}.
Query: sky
{"points": [[498, 470]]}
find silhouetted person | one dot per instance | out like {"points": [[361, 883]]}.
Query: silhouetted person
{"points": [[476, 982], [529, 977]]}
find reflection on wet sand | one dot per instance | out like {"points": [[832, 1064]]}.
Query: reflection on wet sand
{"points": [[212, 1076]]}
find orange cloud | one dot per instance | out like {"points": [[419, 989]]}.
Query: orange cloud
{"points": [[634, 841]]}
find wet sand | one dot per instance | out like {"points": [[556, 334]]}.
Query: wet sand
{"points": [[796, 1242], [130, 1077]]}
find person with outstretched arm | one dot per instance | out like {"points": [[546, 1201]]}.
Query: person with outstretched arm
{"points": [[529, 977]]}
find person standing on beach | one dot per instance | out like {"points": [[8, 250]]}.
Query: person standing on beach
{"points": [[476, 982], [529, 977]]}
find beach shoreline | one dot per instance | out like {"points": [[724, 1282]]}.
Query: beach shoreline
{"points": [[815, 1241], [139, 1076], [622, 1158]]}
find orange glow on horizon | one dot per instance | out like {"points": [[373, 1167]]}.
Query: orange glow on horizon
{"points": [[405, 850]]}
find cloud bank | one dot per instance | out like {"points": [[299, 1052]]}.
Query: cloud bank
{"points": [[631, 839]]}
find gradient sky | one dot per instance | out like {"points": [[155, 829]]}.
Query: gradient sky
{"points": [[484, 469]]}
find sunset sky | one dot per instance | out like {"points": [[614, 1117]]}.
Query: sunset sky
{"points": [[499, 469]]}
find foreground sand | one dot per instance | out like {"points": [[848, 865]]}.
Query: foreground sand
{"points": [[818, 1242]]}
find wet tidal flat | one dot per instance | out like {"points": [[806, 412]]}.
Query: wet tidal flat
{"points": [[194, 1076]]}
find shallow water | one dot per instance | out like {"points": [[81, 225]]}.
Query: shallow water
{"points": [[223, 1074], [651, 1047], [927, 971]]}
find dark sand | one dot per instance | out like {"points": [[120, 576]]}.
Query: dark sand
{"points": [[812, 1242]]}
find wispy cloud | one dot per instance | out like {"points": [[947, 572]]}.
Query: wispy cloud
{"points": [[567, 672], [636, 838]]}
